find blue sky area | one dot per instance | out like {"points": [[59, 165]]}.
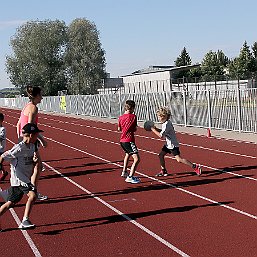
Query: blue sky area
{"points": [[138, 33]]}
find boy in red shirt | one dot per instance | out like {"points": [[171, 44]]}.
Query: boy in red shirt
{"points": [[127, 124]]}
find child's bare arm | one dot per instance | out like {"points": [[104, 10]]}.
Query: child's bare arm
{"points": [[18, 128], [42, 140], [156, 131]]}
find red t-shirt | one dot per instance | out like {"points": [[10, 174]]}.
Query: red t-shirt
{"points": [[128, 125]]}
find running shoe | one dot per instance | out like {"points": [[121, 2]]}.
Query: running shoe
{"points": [[124, 174], [41, 197], [26, 224], [198, 169], [162, 174], [133, 180]]}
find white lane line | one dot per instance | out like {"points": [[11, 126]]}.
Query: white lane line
{"points": [[160, 181], [122, 200], [143, 150], [148, 231], [24, 232], [26, 235], [157, 139], [146, 151]]}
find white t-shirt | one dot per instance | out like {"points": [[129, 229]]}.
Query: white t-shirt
{"points": [[21, 160], [2, 139], [169, 134]]}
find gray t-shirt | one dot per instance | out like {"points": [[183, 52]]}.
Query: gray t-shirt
{"points": [[2, 139], [21, 160], [169, 134]]}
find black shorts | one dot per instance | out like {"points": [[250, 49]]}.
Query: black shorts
{"points": [[16, 193], [175, 151], [129, 147]]}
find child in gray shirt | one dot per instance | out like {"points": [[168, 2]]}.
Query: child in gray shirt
{"points": [[22, 159]]}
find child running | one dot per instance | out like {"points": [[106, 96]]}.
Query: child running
{"points": [[3, 172], [127, 124], [22, 158], [171, 145]]}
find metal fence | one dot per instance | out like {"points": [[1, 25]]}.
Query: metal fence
{"points": [[233, 109]]}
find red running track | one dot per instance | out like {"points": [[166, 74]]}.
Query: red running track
{"points": [[91, 211]]}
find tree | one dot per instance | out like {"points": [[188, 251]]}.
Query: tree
{"points": [[243, 66], [213, 65], [182, 60], [85, 61], [254, 51], [38, 48]]}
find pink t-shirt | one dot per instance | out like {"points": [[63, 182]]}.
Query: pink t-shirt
{"points": [[128, 125], [24, 118]]}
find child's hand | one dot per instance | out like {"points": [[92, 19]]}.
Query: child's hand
{"points": [[44, 143], [35, 158]]}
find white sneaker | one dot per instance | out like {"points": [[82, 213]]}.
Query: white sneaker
{"points": [[41, 197], [26, 224], [133, 180]]}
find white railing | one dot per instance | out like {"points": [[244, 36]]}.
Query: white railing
{"points": [[233, 109]]}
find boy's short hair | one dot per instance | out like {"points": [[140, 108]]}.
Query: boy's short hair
{"points": [[164, 112], [129, 105], [1, 116]]}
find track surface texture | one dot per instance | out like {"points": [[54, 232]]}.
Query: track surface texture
{"points": [[92, 211]]}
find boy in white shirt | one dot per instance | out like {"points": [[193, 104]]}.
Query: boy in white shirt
{"points": [[22, 160], [171, 145]]}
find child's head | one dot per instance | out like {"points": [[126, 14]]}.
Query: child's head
{"points": [[1, 117], [130, 105], [163, 114], [30, 132]]}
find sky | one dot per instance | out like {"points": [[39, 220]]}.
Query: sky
{"points": [[136, 34]]}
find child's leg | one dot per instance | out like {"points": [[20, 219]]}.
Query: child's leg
{"points": [[36, 174], [5, 207], [163, 171], [136, 160], [197, 167], [31, 199], [185, 161], [125, 162], [162, 160], [37, 170]]}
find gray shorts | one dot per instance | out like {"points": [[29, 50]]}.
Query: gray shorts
{"points": [[16, 193]]}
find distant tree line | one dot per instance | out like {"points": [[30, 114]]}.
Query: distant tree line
{"points": [[57, 57], [217, 66]]}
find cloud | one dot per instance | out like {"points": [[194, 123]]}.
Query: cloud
{"points": [[10, 24]]}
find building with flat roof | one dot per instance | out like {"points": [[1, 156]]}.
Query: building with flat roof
{"points": [[153, 79]]}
